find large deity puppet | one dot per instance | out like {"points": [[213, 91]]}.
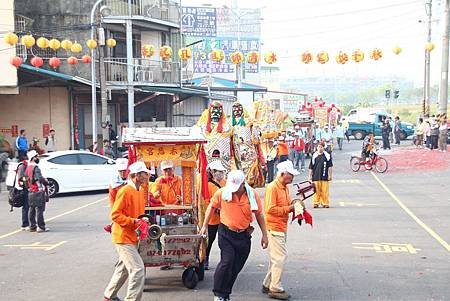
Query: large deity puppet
{"points": [[246, 146], [217, 131]]}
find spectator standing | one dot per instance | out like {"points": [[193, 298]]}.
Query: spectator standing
{"points": [[427, 134], [327, 137], [397, 130], [434, 132], [443, 128], [386, 130], [420, 130], [346, 125], [22, 145], [50, 141], [299, 148], [22, 184], [339, 133]]}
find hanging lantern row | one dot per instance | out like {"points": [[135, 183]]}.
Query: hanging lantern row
{"points": [[185, 53], [53, 62], [165, 52], [270, 58], [376, 54], [217, 55], [237, 57], [322, 57], [342, 58], [253, 57]]}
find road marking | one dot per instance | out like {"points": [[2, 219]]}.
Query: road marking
{"points": [[38, 246], [386, 247], [351, 181], [58, 216], [347, 204], [412, 215]]}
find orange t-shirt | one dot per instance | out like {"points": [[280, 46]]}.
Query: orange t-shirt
{"points": [[282, 149], [129, 204], [235, 214], [168, 190], [277, 204], [215, 217], [113, 194]]}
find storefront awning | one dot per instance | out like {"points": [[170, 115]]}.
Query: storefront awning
{"points": [[54, 74]]}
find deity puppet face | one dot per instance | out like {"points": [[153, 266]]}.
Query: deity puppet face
{"points": [[216, 111], [238, 110]]}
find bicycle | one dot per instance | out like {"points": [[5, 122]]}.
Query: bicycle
{"points": [[380, 163]]}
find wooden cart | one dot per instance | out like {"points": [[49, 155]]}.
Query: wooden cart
{"points": [[173, 238]]}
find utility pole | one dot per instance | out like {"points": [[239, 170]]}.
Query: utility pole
{"points": [[426, 84], [102, 75], [443, 89]]}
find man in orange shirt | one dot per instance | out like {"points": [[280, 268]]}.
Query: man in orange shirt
{"points": [[236, 201], [216, 180], [167, 187], [129, 205], [282, 150], [278, 205]]}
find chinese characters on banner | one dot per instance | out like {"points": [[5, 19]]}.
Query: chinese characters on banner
{"points": [[199, 21]]}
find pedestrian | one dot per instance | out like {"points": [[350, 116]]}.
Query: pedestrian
{"points": [[270, 152], [128, 206], [391, 133], [317, 133], [321, 172], [37, 193], [22, 184], [282, 150], [236, 201], [434, 132], [289, 139], [339, 134], [327, 137], [299, 147], [346, 125], [397, 130], [420, 129], [278, 205], [386, 130], [427, 133], [22, 145], [50, 141], [443, 129], [216, 180]]}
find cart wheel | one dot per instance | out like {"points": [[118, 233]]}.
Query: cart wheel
{"points": [[200, 271], [190, 278]]}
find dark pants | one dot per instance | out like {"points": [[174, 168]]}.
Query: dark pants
{"points": [[25, 209], [283, 158], [386, 143], [212, 232], [22, 155], [270, 171], [428, 142], [299, 158], [347, 135], [39, 213], [234, 251], [339, 142], [397, 137], [434, 141]]}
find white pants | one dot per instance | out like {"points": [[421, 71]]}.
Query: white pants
{"points": [[278, 255], [131, 266]]}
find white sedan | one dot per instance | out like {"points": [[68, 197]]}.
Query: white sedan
{"points": [[71, 171]]}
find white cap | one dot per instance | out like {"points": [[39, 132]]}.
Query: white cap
{"points": [[234, 180], [216, 165], [287, 166], [281, 138], [121, 164], [31, 154], [166, 164], [138, 167]]}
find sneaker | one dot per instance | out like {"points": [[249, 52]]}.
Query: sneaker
{"points": [[32, 230], [216, 298], [279, 295], [265, 289], [43, 230], [25, 228], [111, 299]]}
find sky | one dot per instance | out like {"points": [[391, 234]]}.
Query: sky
{"points": [[291, 27]]}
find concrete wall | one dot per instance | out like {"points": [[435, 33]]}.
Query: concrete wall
{"points": [[34, 107], [8, 78]]}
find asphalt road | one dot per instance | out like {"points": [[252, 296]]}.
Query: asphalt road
{"points": [[385, 237]]}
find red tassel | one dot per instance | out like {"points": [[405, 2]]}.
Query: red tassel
{"points": [[203, 163]]}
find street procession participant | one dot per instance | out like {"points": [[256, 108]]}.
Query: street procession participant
{"points": [[246, 146], [278, 205], [282, 150], [128, 206], [167, 187], [216, 180], [236, 201], [320, 173]]}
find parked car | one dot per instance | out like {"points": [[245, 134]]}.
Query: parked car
{"points": [[359, 130], [71, 171]]}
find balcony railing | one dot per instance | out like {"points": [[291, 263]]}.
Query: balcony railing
{"points": [[145, 71], [164, 10]]}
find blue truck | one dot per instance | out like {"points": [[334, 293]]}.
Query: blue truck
{"points": [[359, 130]]}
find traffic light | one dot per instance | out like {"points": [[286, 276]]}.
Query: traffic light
{"points": [[387, 93], [396, 93]]}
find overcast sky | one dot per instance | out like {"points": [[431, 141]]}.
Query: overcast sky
{"points": [[290, 27]]}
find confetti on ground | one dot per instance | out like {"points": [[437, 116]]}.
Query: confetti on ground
{"points": [[412, 159]]}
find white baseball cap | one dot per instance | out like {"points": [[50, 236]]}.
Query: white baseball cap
{"points": [[234, 180], [138, 167], [121, 164], [216, 165], [31, 154], [166, 164], [287, 166]]}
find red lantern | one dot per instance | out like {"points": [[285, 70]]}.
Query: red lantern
{"points": [[37, 62], [72, 60], [54, 62], [16, 61], [86, 59]]}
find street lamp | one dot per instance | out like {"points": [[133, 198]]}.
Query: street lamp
{"points": [[104, 11]]}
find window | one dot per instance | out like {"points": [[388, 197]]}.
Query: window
{"points": [[87, 159], [120, 50], [65, 160]]}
